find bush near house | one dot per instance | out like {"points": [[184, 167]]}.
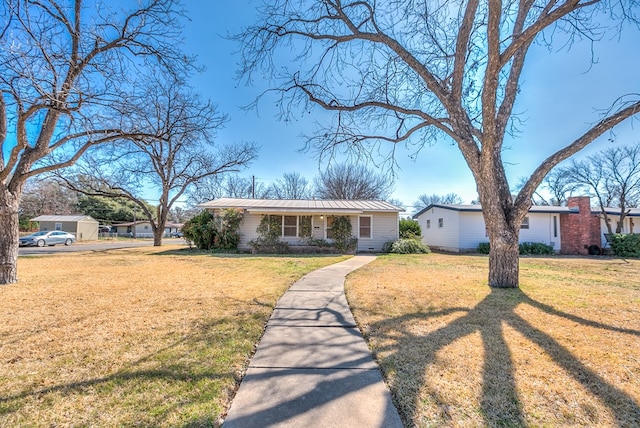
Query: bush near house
{"points": [[525, 249], [217, 231], [627, 245], [409, 246], [343, 240], [409, 229], [268, 240]]}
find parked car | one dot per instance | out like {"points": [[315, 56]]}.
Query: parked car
{"points": [[176, 234], [104, 229], [47, 237]]}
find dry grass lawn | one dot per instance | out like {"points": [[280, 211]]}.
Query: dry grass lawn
{"points": [[145, 337], [563, 350]]}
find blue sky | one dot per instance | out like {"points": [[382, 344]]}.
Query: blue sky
{"points": [[560, 97]]}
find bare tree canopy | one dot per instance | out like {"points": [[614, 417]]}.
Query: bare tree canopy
{"points": [[411, 73], [66, 67], [46, 197], [228, 186], [352, 181], [611, 176], [182, 154], [425, 200], [292, 186]]}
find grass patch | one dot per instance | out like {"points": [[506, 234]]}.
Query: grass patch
{"points": [[563, 350], [124, 337]]}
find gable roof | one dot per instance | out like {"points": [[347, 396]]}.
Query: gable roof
{"points": [[302, 205], [63, 218]]}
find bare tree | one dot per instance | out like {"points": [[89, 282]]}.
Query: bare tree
{"points": [[611, 176], [405, 72], [292, 186], [228, 186], [425, 200], [66, 66], [183, 153], [352, 181], [46, 197]]}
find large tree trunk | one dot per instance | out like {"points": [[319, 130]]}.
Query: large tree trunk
{"points": [[504, 259], [502, 219], [158, 233], [9, 225]]}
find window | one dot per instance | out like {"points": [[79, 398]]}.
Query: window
{"points": [[58, 226], [525, 223], [365, 227], [305, 228], [555, 226], [440, 222], [429, 224], [329, 227], [290, 226]]}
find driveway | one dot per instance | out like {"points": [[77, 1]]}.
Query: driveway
{"points": [[94, 246]]}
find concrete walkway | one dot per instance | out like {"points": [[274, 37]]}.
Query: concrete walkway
{"points": [[312, 368]]}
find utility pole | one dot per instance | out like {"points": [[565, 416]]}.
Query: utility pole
{"points": [[253, 186]]}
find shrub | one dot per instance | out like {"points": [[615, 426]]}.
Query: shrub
{"points": [[625, 245], [483, 248], [409, 246], [409, 229], [386, 247], [524, 249], [535, 248], [268, 240], [342, 238], [218, 231]]}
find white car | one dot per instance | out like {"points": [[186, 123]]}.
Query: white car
{"points": [[47, 237]]}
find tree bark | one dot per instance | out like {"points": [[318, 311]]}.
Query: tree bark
{"points": [[9, 225], [504, 260]]}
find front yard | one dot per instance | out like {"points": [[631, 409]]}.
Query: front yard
{"points": [[564, 350], [145, 336], [161, 336]]}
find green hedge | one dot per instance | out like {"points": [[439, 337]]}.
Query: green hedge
{"points": [[409, 246], [525, 249], [410, 229], [627, 245]]}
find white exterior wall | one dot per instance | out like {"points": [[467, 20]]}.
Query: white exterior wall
{"points": [[384, 227], [472, 230], [541, 230], [443, 238], [464, 230], [247, 230]]}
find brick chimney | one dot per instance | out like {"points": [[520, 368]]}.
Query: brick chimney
{"points": [[579, 229]]}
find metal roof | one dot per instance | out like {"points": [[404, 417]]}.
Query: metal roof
{"points": [[633, 212], [62, 218], [301, 205]]}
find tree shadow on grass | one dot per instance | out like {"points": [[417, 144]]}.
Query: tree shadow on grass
{"points": [[500, 404], [175, 381]]}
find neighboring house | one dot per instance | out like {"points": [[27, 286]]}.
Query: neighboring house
{"points": [[84, 227], [569, 230], [170, 228], [138, 229], [142, 229], [373, 222]]}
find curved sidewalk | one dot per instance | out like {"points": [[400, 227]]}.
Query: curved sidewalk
{"points": [[312, 368]]}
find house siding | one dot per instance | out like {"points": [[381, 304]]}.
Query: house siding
{"points": [[447, 237], [462, 231], [384, 227]]}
